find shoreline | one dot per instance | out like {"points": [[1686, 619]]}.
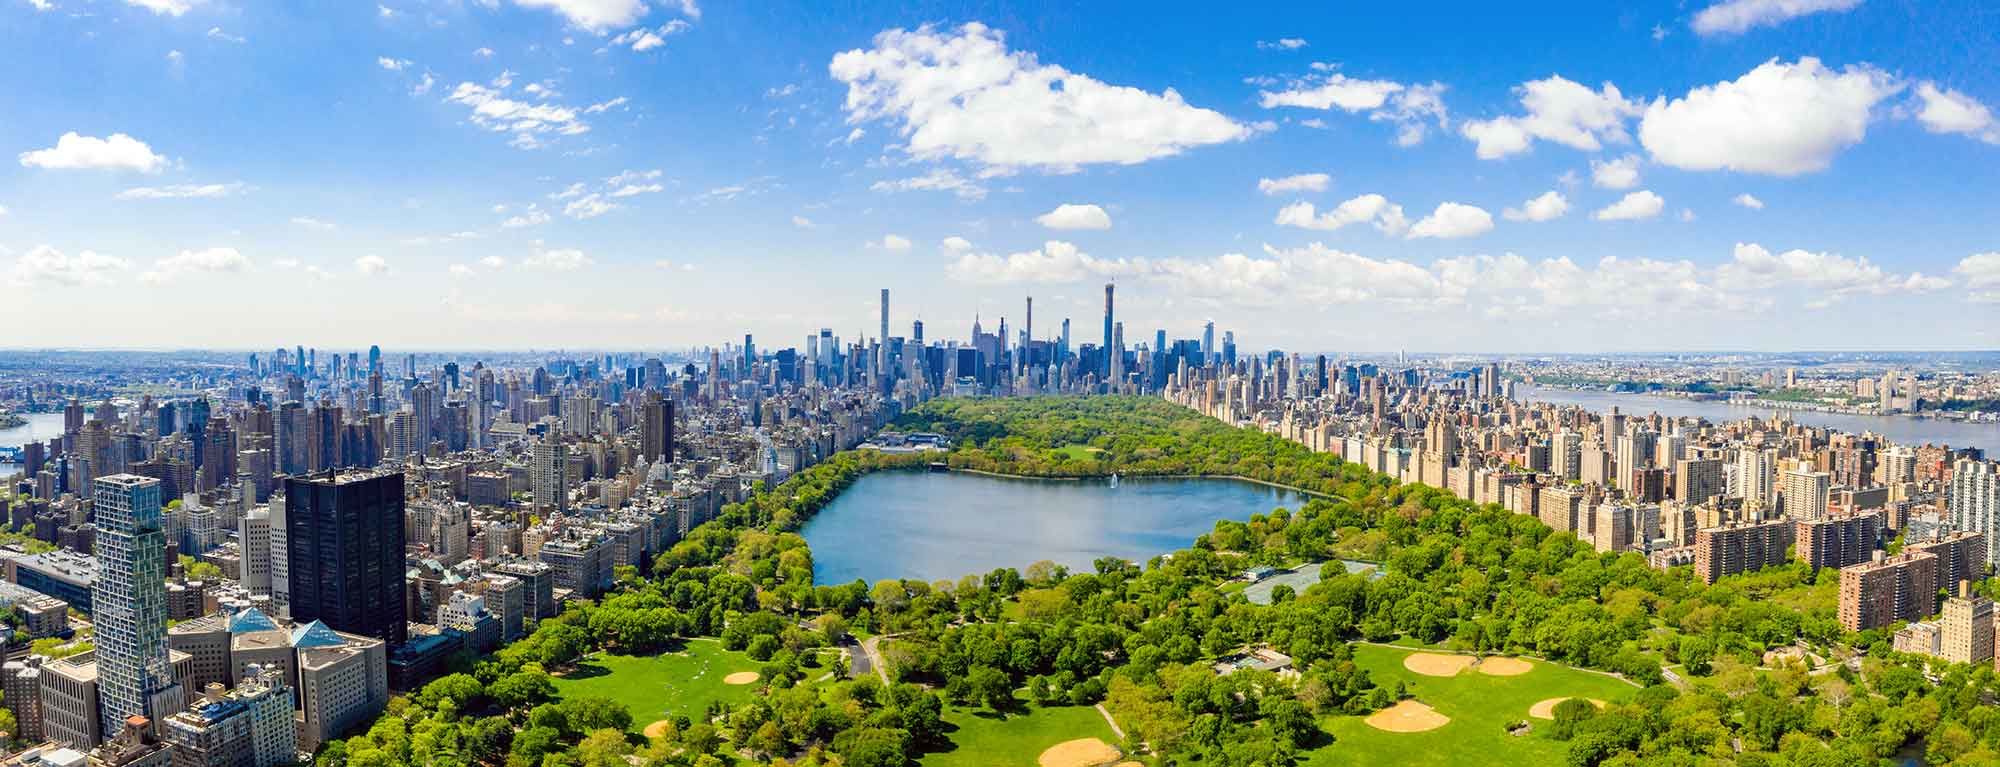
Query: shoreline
{"points": [[1236, 477]]}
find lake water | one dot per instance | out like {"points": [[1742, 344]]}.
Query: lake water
{"points": [[932, 526], [1899, 429]]}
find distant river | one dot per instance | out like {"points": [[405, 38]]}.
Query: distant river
{"points": [[932, 526], [1899, 429], [39, 428]]}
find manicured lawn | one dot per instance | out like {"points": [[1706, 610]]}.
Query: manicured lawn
{"points": [[657, 687], [1078, 452], [984, 739], [1480, 707]]}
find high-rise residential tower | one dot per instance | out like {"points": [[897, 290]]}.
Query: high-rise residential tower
{"points": [[1107, 329], [129, 603]]}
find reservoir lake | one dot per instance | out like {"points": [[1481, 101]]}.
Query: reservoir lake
{"points": [[935, 525]]}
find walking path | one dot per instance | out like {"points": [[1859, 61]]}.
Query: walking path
{"points": [[1113, 722]]}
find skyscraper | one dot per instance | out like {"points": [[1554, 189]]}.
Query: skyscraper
{"points": [[1107, 330], [1974, 501], [656, 429], [344, 552], [129, 602]]}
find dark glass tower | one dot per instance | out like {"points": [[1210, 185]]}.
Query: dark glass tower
{"points": [[344, 547]]}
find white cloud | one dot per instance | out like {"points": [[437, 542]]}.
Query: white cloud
{"points": [[593, 15], [493, 262], [1979, 270], [1621, 173], [559, 260], [956, 244], [1055, 261], [1073, 216], [1282, 44], [939, 180], [175, 191], [42, 5], [527, 122], [1410, 107], [1829, 275], [483, 52], [216, 33], [210, 260], [1746, 200], [1948, 111], [1558, 110], [1549, 206], [605, 105], [892, 242], [1737, 16], [423, 85], [1779, 119], [589, 206], [383, 11], [963, 95], [393, 65], [643, 39], [45, 265], [165, 7], [442, 238], [371, 265], [632, 190], [77, 152], [802, 222], [314, 223], [1632, 207], [1304, 182], [461, 270], [1452, 221], [1367, 208]]}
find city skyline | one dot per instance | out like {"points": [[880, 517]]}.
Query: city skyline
{"points": [[614, 174]]}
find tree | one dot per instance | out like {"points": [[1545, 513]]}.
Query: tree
{"points": [[459, 689], [522, 688], [603, 748], [990, 686]]}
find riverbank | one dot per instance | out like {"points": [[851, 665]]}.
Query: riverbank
{"points": [[1237, 477]]}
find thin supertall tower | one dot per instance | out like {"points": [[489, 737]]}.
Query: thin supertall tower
{"points": [[1107, 329]]}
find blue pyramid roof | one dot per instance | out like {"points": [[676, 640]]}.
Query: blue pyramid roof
{"points": [[249, 620], [316, 634]]}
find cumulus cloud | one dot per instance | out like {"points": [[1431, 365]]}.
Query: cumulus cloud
{"points": [[216, 33], [1073, 216], [593, 15], [1367, 208], [589, 206], [1055, 261], [45, 265], [77, 152], [1829, 276], [1942, 110], [1412, 107], [1549, 206], [1737, 16], [180, 191], [956, 244], [1453, 221], [393, 65], [894, 242], [1981, 272], [1558, 110], [962, 94], [1303, 182], [1282, 44], [802, 222], [371, 265], [528, 123], [939, 180], [1632, 207], [558, 260], [1621, 173], [1746, 200], [1778, 119], [210, 260]]}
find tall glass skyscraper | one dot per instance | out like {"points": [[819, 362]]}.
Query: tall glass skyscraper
{"points": [[344, 552], [129, 603]]}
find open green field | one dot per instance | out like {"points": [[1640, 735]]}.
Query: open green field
{"points": [[1480, 707], [984, 739], [1078, 452], [656, 687]]}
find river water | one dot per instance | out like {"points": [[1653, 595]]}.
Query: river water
{"points": [[39, 428], [1899, 429], [933, 526]]}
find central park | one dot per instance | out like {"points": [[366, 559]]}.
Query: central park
{"points": [[1458, 634]]}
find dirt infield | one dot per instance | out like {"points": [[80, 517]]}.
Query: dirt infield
{"points": [[1082, 752], [1407, 716], [740, 677], [1547, 709], [1498, 666], [658, 729], [1434, 664]]}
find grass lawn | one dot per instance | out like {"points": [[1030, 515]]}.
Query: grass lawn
{"points": [[984, 739], [1078, 452], [656, 687], [1480, 707]]}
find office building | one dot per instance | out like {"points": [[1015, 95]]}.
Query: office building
{"points": [[344, 549]]}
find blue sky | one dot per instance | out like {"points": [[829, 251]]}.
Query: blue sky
{"points": [[1749, 174]]}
